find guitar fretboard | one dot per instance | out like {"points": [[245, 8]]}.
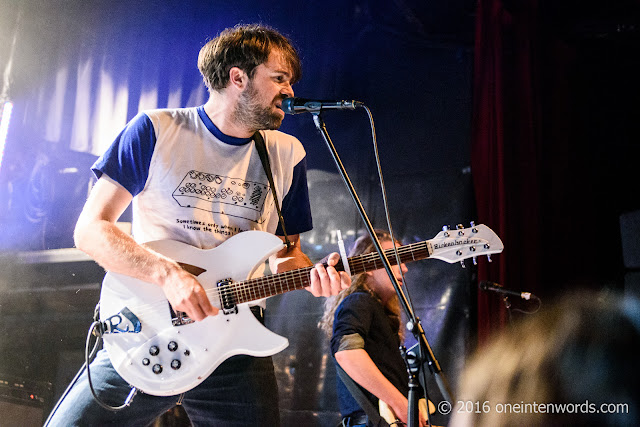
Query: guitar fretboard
{"points": [[276, 284]]}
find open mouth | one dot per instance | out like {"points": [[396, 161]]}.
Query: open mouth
{"points": [[278, 101]]}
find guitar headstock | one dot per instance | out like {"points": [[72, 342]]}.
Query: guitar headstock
{"points": [[452, 245]]}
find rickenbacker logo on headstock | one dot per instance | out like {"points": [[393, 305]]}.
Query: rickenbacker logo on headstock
{"points": [[457, 243]]}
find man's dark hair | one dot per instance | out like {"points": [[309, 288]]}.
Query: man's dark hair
{"points": [[245, 47]]}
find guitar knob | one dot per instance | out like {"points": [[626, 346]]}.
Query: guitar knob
{"points": [[157, 369], [173, 346], [154, 350], [175, 364]]}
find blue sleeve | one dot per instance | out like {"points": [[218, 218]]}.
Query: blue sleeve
{"points": [[296, 210], [128, 158]]}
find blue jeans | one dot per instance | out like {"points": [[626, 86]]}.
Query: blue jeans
{"points": [[242, 391]]}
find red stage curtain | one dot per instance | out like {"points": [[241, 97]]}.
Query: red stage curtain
{"points": [[505, 148]]}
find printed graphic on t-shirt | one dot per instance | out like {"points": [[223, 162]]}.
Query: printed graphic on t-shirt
{"points": [[222, 194], [211, 227]]}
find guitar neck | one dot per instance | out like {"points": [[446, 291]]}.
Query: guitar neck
{"points": [[276, 284]]}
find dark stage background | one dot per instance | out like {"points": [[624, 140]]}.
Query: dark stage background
{"points": [[519, 115]]}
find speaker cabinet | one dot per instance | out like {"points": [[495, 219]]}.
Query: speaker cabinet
{"points": [[23, 403]]}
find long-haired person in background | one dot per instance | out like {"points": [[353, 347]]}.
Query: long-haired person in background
{"points": [[363, 322]]}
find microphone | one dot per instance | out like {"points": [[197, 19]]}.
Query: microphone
{"points": [[487, 285], [302, 105]]}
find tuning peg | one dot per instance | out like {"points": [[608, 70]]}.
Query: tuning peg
{"points": [[475, 261], [473, 223], [462, 264], [445, 228], [460, 227], [489, 257]]}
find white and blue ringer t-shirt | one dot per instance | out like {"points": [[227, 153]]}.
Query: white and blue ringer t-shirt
{"points": [[193, 184]]}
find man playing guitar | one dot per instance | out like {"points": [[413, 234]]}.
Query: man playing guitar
{"points": [[193, 176]]}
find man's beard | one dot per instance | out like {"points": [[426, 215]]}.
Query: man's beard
{"points": [[254, 116]]}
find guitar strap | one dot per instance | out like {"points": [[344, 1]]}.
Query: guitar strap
{"points": [[372, 413], [264, 158]]}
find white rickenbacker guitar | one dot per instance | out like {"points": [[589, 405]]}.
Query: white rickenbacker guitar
{"points": [[163, 352]]}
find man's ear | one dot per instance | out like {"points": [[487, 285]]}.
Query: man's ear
{"points": [[238, 78]]}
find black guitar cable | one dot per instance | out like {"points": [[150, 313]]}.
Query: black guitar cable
{"points": [[97, 330], [96, 327]]}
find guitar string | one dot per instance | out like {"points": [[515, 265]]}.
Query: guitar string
{"points": [[258, 284], [274, 280], [256, 287], [262, 287]]}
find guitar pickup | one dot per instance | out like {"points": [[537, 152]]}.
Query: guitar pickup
{"points": [[227, 296], [123, 322]]}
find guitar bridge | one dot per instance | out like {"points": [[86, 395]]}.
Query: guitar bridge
{"points": [[227, 296], [179, 318]]}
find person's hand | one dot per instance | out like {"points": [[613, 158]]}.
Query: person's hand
{"points": [[328, 281], [401, 409], [186, 294]]}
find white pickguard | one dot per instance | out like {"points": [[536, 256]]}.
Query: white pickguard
{"points": [[201, 346]]}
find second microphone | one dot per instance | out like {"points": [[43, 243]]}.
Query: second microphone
{"points": [[302, 105]]}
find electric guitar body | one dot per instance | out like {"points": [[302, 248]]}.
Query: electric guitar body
{"points": [[169, 354]]}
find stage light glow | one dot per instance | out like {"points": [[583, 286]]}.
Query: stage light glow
{"points": [[4, 127]]}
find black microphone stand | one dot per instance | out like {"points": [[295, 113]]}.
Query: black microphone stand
{"points": [[507, 304], [425, 354]]}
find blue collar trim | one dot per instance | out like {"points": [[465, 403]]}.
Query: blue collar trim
{"points": [[231, 140]]}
